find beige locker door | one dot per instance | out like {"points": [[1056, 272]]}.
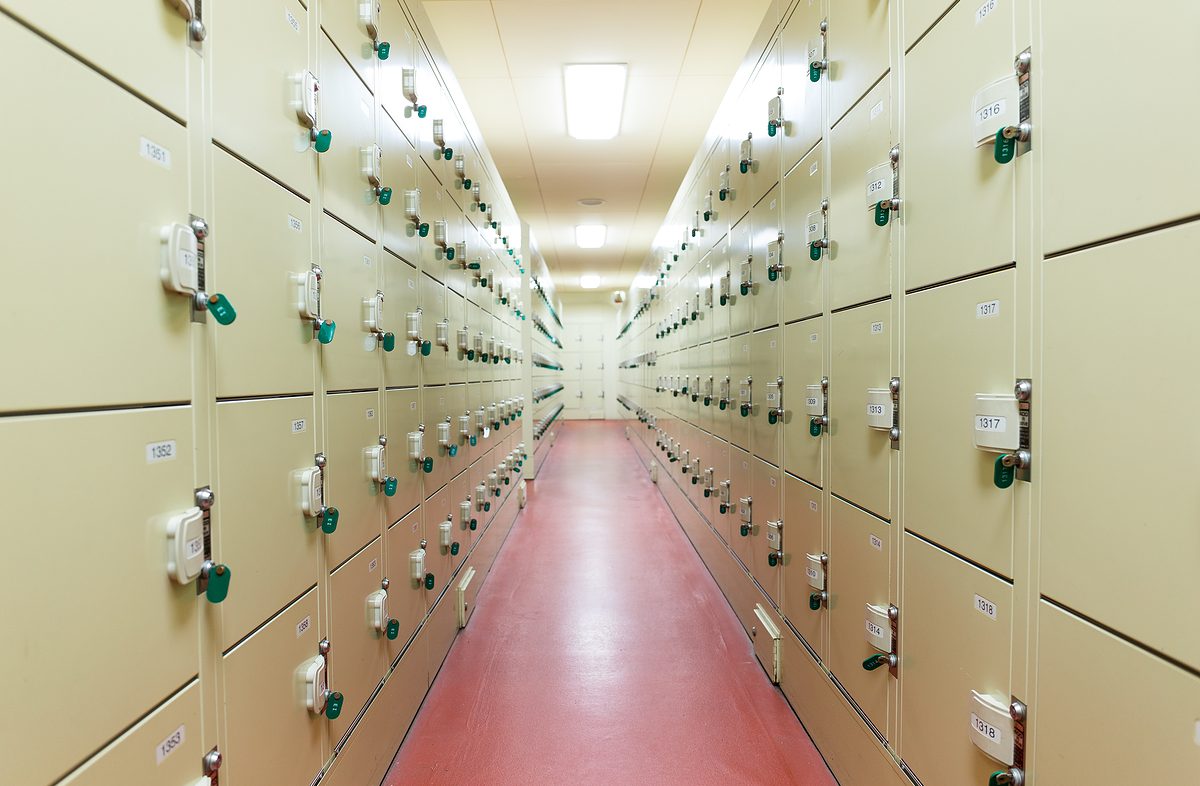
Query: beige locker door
{"points": [[722, 374], [1065, 116], [400, 171], [741, 486], [741, 368], [438, 403], [744, 274], [262, 447], [703, 412], [270, 735], [768, 249], [767, 146], [804, 400], [802, 98], [858, 51], [130, 198], [431, 96], [406, 596], [440, 507], [434, 366], [463, 535], [768, 506], [456, 318], [403, 418], [402, 58], [857, 575], [453, 271], [259, 60], [701, 303], [803, 536], [719, 459], [1118, 715], [860, 250], [346, 24], [955, 638], [115, 478], [348, 111], [173, 732], [960, 344], [348, 289], [434, 208], [353, 427], [722, 280], [958, 202], [767, 369], [360, 658], [144, 46], [1116, 498], [860, 369], [401, 297], [803, 224], [262, 258]]}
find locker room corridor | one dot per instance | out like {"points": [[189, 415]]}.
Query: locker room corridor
{"points": [[601, 651]]}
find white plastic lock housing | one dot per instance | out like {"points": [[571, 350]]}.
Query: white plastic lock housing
{"points": [[308, 295], [180, 253], [316, 684], [304, 98], [373, 320], [814, 569], [377, 463], [185, 545], [445, 533], [997, 423], [312, 491], [412, 324], [879, 408], [878, 628], [368, 14], [372, 164], [416, 445], [377, 610], [416, 564], [443, 433], [991, 727]]}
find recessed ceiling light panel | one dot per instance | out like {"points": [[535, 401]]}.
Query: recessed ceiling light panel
{"points": [[595, 95], [590, 235], [589, 281]]}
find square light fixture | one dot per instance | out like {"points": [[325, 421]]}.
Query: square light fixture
{"points": [[595, 95], [590, 235], [589, 281]]}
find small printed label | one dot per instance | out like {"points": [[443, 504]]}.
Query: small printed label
{"points": [[877, 110], [874, 631], [988, 112], [155, 153], [812, 170], [374, 564], [772, 343], [813, 338], [292, 20], [875, 410], [367, 262], [370, 414], [991, 423], [771, 398], [302, 626], [812, 505], [879, 179], [876, 328], [299, 426], [876, 543], [814, 227], [986, 730], [812, 573], [412, 405], [985, 10], [194, 547], [772, 480], [412, 284], [988, 309], [772, 204], [812, 401], [985, 606], [994, 107], [168, 746], [295, 224], [160, 451]]}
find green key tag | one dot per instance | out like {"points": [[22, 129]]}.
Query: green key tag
{"points": [[772, 274], [724, 508], [329, 520], [1003, 476], [724, 300], [814, 601], [722, 194], [450, 253], [772, 417], [449, 154], [473, 266], [429, 581], [487, 506], [874, 662], [333, 707], [467, 184], [326, 331], [426, 348], [423, 230], [422, 110], [471, 356], [474, 524], [323, 140], [814, 252], [383, 50], [695, 480], [218, 583], [454, 549], [707, 401], [452, 450], [427, 464], [722, 405], [393, 629], [221, 309], [814, 72], [389, 487], [474, 440], [389, 342], [1005, 149], [708, 215], [745, 411], [772, 559], [385, 195], [814, 428], [744, 288], [882, 214], [771, 129], [744, 530], [743, 167]]}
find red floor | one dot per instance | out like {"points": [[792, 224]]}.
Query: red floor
{"points": [[602, 652]]}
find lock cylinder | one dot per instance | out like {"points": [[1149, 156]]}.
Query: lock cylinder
{"points": [[412, 322], [412, 210], [408, 81]]}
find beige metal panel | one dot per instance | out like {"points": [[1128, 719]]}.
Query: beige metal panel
{"points": [[173, 732], [346, 24], [741, 478], [454, 271], [768, 506], [348, 111], [1066, 95], [1093, 530], [440, 507], [857, 575], [718, 459], [802, 371], [403, 418], [917, 16], [741, 367], [860, 250], [1143, 706], [860, 456], [741, 306], [400, 165], [702, 303], [802, 535], [348, 289], [144, 47], [431, 96], [767, 249], [803, 223], [259, 60], [261, 258], [949, 491], [722, 369], [433, 311], [401, 296], [438, 403], [958, 202], [441, 629], [353, 427], [262, 447], [435, 207], [360, 652], [802, 98], [140, 461], [407, 599], [130, 200], [766, 355], [955, 637], [270, 735], [858, 51], [456, 360], [395, 29], [764, 87]]}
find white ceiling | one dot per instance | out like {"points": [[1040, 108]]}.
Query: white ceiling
{"points": [[508, 58]]}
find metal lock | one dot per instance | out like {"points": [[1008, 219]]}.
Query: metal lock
{"points": [[460, 167], [464, 513], [464, 425], [746, 397], [408, 82], [746, 160], [708, 206], [818, 63], [480, 421], [412, 323], [478, 344], [775, 258], [440, 229], [464, 339], [774, 543], [725, 288], [442, 334], [416, 444], [746, 274], [443, 433], [725, 191], [412, 205], [775, 411], [775, 113], [746, 515]]}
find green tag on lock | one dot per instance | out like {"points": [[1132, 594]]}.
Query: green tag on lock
{"points": [[707, 493], [473, 266], [393, 629], [883, 214], [423, 230], [707, 401], [708, 215], [452, 450], [428, 581], [814, 252], [426, 348], [329, 521], [450, 254], [722, 405], [326, 331], [994, 778], [724, 508], [874, 662], [474, 524], [814, 428], [772, 417], [471, 356], [449, 154], [333, 706], [695, 480], [383, 50], [467, 184], [744, 530], [814, 72], [389, 487], [508, 361], [1003, 476], [427, 464], [496, 492], [506, 481], [389, 342], [454, 549], [487, 506], [323, 141], [771, 129], [722, 194], [474, 440], [1005, 149], [745, 410], [483, 281], [221, 309], [744, 167], [772, 274], [422, 110], [772, 559], [814, 601], [218, 583], [385, 195]]}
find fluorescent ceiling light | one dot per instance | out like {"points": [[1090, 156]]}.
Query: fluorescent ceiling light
{"points": [[595, 96], [589, 281], [644, 282], [590, 235]]}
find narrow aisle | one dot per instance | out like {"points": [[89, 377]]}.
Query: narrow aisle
{"points": [[601, 651]]}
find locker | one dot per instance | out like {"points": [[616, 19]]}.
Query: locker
{"points": [[770, 396], [1092, 531], [857, 577], [356, 614], [456, 360], [1151, 193], [132, 199], [434, 366], [1143, 705], [390, 73], [742, 390], [766, 635], [438, 404], [403, 418], [724, 391], [440, 631], [446, 141], [434, 210], [352, 431], [739, 516], [761, 115], [806, 388], [767, 248], [354, 28], [260, 75], [804, 217], [955, 638], [804, 572], [441, 509], [262, 257], [722, 284], [742, 278], [719, 460], [958, 202], [270, 734], [802, 98], [400, 235], [860, 453], [407, 600], [349, 288], [858, 50], [173, 732], [348, 109], [861, 176], [141, 463], [701, 313], [264, 447], [462, 514], [401, 296], [768, 514]]}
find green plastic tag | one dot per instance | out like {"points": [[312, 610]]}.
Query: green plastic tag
{"points": [[218, 583], [221, 309], [771, 129], [474, 524], [721, 195], [874, 662], [724, 508], [722, 405], [385, 195], [695, 480], [772, 417], [422, 110], [329, 521], [745, 410], [383, 50], [452, 450], [449, 154], [474, 440], [323, 141], [389, 487], [393, 629], [423, 230], [473, 266], [814, 428], [1003, 476], [454, 549], [814, 252], [471, 356], [814, 72], [744, 167], [707, 493], [427, 464], [882, 214], [1005, 149], [426, 348], [326, 331], [429, 581], [814, 601], [724, 300], [708, 215], [772, 274], [389, 342], [333, 707], [707, 401], [487, 506], [744, 530], [467, 184], [450, 253], [772, 558]]}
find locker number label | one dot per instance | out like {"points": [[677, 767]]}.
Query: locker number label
{"points": [[813, 574], [160, 451], [292, 21], [812, 401], [875, 410], [172, 743], [302, 626], [295, 224], [878, 182], [298, 426], [986, 730], [876, 543], [991, 423], [987, 114], [987, 310], [812, 505], [155, 153], [876, 328], [874, 631], [985, 606], [195, 547], [877, 110], [370, 414], [374, 564], [985, 10]]}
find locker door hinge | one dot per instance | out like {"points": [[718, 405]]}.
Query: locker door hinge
{"points": [[894, 433], [212, 766]]}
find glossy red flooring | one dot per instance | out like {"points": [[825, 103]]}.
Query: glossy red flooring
{"points": [[602, 652]]}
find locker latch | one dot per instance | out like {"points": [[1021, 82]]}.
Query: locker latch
{"points": [[189, 549], [441, 239], [725, 192], [416, 449], [412, 323], [190, 11], [477, 195], [312, 496], [774, 543], [439, 140], [460, 171], [746, 514], [308, 287], [1008, 137], [775, 258], [746, 154], [746, 397], [446, 536], [726, 496], [416, 568], [1017, 463], [775, 411], [368, 14], [696, 225], [709, 477], [775, 113], [695, 389], [408, 81], [817, 405], [481, 501], [412, 211], [888, 205], [318, 697], [694, 471], [685, 462], [746, 274], [723, 400], [377, 612], [444, 441], [815, 569], [708, 206], [997, 728], [372, 169], [818, 62], [306, 87], [377, 467], [465, 520], [477, 351], [708, 391], [182, 270], [726, 286], [882, 633], [373, 307], [683, 244], [815, 233]]}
